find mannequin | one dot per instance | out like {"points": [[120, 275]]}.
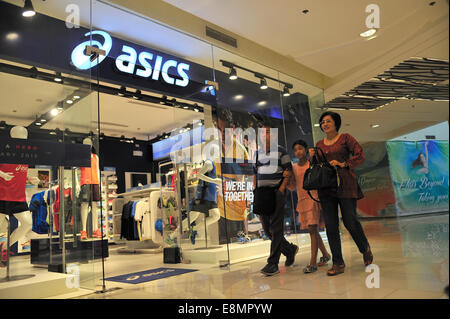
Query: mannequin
{"points": [[13, 200], [90, 193], [205, 199]]}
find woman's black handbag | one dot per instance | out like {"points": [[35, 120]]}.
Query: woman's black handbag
{"points": [[320, 174]]}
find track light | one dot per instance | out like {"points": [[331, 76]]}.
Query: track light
{"points": [[28, 10], [122, 91], [60, 106], [58, 77], [286, 91], [34, 72], [263, 84], [137, 95], [233, 74]]}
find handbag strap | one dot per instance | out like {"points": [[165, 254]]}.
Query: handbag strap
{"points": [[321, 155], [309, 193]]}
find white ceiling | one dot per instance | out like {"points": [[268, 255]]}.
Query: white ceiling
{"points": [[327, 38]]}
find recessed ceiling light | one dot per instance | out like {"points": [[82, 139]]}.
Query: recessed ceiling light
{"points": [[76, 97], [43, 120], [317, 125], [38, 123], [54, 112], [375, 125], [368, 33], [69, 101]]}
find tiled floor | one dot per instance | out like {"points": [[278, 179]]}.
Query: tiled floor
{"points": [[411, 254]]}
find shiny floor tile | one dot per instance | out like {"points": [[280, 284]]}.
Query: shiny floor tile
{"points": [[410, 261]]}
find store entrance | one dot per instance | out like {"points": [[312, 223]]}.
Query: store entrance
{"points": [[47, 148]]}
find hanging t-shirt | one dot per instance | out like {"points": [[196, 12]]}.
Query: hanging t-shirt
{"points": [[14, 190], [142, 216], [90, 175]]}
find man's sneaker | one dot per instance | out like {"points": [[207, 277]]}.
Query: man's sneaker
{"points": [[291, 257], [270, 270], [83, 235]]}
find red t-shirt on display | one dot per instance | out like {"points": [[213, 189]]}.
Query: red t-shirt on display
{"points": [[14, 190]]}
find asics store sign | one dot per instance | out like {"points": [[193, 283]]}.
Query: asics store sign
{"points": [[150, 65]]}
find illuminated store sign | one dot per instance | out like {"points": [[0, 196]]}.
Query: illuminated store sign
{"points": [[126, 62]]}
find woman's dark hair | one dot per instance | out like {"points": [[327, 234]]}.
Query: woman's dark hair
{"points": [[336, 118], [301, 143], [417, 161]]}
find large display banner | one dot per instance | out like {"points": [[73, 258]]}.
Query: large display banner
{"points": [[419, 173], [376, 183]]}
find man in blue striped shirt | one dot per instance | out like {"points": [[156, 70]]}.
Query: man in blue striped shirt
{"points": [[273, 170]]}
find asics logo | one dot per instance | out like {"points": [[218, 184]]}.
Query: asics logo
{"points": [[142, 64], [82, 61]]}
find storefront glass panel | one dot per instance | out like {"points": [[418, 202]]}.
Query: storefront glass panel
{"points": [[47, 117]]}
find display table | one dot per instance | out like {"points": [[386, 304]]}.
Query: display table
{"points": [[85, 250]]}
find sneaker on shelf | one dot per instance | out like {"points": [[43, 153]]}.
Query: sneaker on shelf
{"points": [[83, 235], [192, 235], [98, 234], [5, 254], [243, 238]]}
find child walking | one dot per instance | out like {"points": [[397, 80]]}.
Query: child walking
{"points": [[309, 211]]}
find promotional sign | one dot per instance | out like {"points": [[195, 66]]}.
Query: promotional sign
{"points": [[419, 172], [375, 181], [37, 152]]}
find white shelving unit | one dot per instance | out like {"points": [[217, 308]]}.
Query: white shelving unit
{"points": [[109, 192]]}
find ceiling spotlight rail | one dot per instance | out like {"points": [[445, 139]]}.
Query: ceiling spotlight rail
{"points": [[263, 78]]}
